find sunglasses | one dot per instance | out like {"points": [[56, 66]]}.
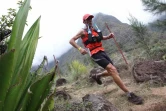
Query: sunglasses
{"points": [[89, 18]]}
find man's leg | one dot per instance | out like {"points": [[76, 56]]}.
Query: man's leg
{"points": [[111, 71]]}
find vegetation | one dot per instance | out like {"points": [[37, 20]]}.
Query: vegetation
{"points": [[76, 70], [6, 23], [140, 31], [147, 41], [21, 89], [157, 7]]}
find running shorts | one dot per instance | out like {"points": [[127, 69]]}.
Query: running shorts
{"points": [[102, 59]]}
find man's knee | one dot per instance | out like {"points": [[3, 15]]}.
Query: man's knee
{"points": [[111, 69]]}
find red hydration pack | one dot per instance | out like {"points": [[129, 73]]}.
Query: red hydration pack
{"points": [[93, 41]]}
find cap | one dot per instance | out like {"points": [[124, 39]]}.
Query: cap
{"points": [[86, 16]]}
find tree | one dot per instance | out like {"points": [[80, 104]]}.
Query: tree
{"points": [[6, 23], [140, 30], [157, 7]]}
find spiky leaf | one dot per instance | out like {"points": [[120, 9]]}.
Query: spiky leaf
{"points": [[37, 93], [6, 70], [23, 66]]}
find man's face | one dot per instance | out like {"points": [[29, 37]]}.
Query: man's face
{"points": [[88, 21]]}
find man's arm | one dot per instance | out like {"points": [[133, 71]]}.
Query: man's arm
{"points": [[111, 35], [74, 44]]}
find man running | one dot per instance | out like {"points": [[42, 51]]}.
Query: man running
{"points": [[91, 39]]}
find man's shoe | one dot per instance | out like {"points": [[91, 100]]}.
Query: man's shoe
{"points": [[135, 99], [96, 78]]}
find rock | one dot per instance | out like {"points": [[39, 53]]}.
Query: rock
{"points": [[95, 70], [60, 82], [62, 95], [98, 103], [154, 71]]}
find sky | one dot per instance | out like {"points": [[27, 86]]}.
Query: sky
{"points": [[62, 19]]}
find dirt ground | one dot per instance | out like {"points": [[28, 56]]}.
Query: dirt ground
{"points": [[154, 95]]}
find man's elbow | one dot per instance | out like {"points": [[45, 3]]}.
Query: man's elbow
{"points": [[71, 41]]}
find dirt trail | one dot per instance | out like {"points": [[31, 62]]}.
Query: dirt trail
{"points": [[154, 97]]}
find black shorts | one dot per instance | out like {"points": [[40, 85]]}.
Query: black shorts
{"points": [[102, 59]]}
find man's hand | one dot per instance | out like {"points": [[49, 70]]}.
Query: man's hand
{"points": [[83, 51], [111, 35]]}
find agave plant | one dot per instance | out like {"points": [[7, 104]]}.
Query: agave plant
{"points": [[21, 89]]}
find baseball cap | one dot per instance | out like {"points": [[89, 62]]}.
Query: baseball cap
{"points": [[86, 16]]}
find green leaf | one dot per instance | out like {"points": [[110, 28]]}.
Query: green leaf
{"points": [[6, 70], [18, 29], [22, 69], [48, 104], [27, 51], [37, 93]]}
